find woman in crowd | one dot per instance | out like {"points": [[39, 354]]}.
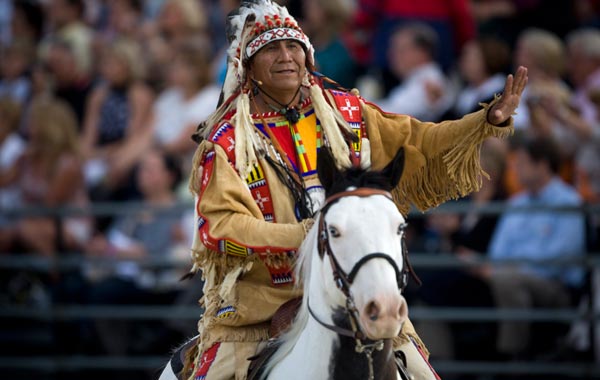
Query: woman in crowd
{"points": [[118, 112], [50, 174]]}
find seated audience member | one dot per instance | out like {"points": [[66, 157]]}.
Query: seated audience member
{"points": [[544, 54], [483, 64], [12, 147], [66, 21], [583, 70], [412, 54], [118, 113], [67, 81], [50, 174], [535, 235], [15, 63], [177, 21], [188, 100], [131, 238]]}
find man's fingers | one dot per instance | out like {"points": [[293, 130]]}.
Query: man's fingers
{"points": [[523, 81], [508, 86], [520, 80]]}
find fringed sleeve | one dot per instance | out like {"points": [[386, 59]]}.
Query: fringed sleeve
{"points": [[442, 159]]}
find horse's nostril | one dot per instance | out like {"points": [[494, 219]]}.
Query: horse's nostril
{"points": [[403, 310], [372, 310]]}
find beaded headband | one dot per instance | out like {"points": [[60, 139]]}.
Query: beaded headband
{"points": [[275, 34]]}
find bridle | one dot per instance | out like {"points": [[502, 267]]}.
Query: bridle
{"points": [[344, 280]]}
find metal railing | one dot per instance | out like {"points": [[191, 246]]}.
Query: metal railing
{"points": [[74, 261]]}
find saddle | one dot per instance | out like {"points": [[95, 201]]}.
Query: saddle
{"points": [[281, 322]]}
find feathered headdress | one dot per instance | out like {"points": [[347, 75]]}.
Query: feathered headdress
{"points": [[251, 27]]}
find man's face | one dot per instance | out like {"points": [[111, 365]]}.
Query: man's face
{"points": [[527, 170], [404, 56], [280, 66]]}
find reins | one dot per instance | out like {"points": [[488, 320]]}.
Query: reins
{"points": [[344, 280]]}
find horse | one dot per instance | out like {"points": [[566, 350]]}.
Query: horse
{"points": [[353, 267]]}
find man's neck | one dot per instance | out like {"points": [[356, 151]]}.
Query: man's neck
{"points": [[267, 101], [537, 188]]}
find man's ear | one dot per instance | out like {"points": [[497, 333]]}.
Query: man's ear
{"points": [[393, 170], [326, 168]]}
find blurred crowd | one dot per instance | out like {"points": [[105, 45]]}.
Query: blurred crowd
{"points": [[99, 98]]}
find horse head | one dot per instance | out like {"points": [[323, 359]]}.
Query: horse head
{"points": [[360, 268]]}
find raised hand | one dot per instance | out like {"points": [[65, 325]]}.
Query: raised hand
{"points": [[508, 103]]}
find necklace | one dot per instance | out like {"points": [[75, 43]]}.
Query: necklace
{"points": [[291, 114]]}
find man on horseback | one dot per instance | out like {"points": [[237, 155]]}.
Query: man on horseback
{"points": [[256, 185]]}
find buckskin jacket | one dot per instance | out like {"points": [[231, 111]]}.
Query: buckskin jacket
{"points": [[248, 233]]}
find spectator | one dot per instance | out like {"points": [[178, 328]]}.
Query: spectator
{"points": [[536, 235], [544, 53], [411, 54], [376, 20], [118, 113], [188, 100], [324, 23], [583, 68], [125, 18], [147, 234], [12, 147], [68, 81], [50, 175], [181, 19], [15, 63], [483, 64], [67, 24], [177, 22], [546, 96]]}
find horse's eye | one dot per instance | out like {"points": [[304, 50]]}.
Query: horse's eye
{"points": [[334, 232], [402, 228]]}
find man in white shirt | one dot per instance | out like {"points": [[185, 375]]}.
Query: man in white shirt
{"points": [[412, 53]]}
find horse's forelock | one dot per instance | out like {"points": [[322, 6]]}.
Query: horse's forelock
{"points": [[359, 178]]}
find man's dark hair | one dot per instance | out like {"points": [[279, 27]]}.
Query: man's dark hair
{"points": [[423, 35], [542, 149], [79, 6]]}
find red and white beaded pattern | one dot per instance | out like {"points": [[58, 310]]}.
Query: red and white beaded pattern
{"points": [[274, 35]]}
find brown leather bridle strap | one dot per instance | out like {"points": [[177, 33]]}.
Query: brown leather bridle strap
{"points": [[358, 192], [336, 329]]}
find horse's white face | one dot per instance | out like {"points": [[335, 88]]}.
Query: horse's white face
{"points": [[358, 227]]}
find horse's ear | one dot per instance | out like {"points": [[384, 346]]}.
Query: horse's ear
{"points": [[326, 168], [394, 169]]}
